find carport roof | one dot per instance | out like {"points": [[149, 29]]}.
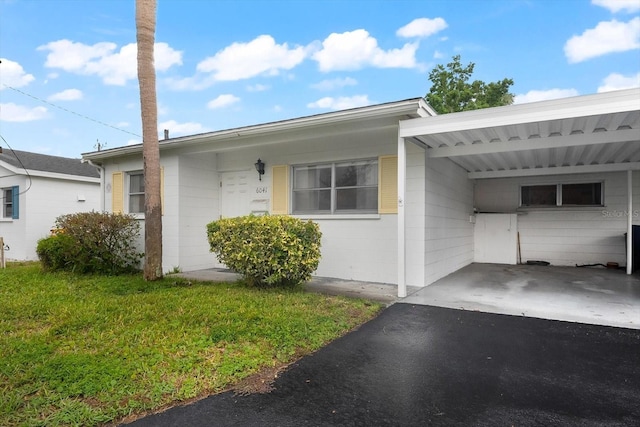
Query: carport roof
{"points": [[592, 133]]}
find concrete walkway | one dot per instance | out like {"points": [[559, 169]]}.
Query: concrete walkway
{"points": [[380, 292]]}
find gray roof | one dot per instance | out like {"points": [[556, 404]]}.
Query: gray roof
{"points": [[45, 163]]}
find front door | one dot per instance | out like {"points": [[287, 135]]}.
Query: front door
{"points": [[234, 194]]}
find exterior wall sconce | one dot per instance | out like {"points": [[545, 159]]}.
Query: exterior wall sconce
{"points": [[260, 168]]}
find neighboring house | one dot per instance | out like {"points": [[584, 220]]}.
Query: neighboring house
{"points": [[404, 196], [35, 190]]}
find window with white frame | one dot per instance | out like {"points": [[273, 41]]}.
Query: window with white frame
{"points": [[336, 188], [549, 195], [136, 192], [7, 202]]}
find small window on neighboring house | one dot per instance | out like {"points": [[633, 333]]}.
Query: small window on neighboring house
{"points": [[7, 202], [587, 194], [136, 192], [10, 200], [336, 188]]}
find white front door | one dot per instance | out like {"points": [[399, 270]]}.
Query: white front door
{"points": [[234, 193]]}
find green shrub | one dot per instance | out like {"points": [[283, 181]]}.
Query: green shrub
{"points": [[267, 250], [57, 252], [92, 242]]}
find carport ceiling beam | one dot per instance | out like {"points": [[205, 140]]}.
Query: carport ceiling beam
{"points": [[561, 170], [625, 135]]}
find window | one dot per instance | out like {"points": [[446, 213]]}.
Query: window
{"points": [[7, 202], [582, 194], [587, 194], [136, 192], [336, 188], [10, 199]]}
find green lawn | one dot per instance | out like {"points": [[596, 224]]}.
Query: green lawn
{"points": [[85, 350]]}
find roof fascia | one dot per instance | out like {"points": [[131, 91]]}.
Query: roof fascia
{"points": [[557, 109], [412, 106]]}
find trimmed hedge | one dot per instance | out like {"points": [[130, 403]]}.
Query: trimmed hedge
{"points": [[267, 250], [92, 242]]}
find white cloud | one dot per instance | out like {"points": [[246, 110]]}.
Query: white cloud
{"points": [[438, 55], [277, 108], [17, 113], [245, 60], [353, 50], [336, 83], [101, 59], [13, 74], [340, 103], [66, 95], [616, 6], [615, 81], [134, 142], [606, 37], [258, 88], [176, 128], [122, 124], [223, 100], [544, 95], [422, 27]]}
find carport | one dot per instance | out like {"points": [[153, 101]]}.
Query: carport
{"points": [[591, 140]]}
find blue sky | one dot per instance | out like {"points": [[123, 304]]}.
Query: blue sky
{"points": [[68, 73]]}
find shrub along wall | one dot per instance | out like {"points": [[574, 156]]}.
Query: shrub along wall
{"points": [[267, 250]]}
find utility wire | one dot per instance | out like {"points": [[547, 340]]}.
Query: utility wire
{"points": [[70, 111], [21, 164]]}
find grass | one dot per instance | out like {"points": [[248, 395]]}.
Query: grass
{"points": [[88, 350]]}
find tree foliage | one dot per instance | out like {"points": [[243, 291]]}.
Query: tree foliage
{"points": [[451, 90]]}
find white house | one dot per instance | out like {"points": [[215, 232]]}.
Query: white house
{"points": [[404, 196], [34, 190]]}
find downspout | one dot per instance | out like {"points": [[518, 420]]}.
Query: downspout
{"points": [[630, 222], [102, 181], [402, 173]]}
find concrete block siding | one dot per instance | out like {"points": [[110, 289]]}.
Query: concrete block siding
{"points": [[569, 235]]}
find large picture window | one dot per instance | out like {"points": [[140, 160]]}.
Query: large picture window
{"points": [[336, 188], [583, 194]]}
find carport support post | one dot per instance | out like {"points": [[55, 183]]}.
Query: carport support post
{"points": [[630, 222], [402, 175]]}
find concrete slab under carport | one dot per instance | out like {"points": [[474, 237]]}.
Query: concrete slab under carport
{"points": [[587, 295]]}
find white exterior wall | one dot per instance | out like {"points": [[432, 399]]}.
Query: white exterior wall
{"points": [[353, 247], [199, 205], [571, 235], [448, 206], [40, 204]]}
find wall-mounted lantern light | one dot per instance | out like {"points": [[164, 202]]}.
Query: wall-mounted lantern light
{"points": [[260, 168]]}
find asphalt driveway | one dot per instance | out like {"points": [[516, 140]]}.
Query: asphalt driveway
{"points": [[429, 366]]}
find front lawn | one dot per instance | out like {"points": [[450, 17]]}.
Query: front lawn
{"points": [[85, 350]]}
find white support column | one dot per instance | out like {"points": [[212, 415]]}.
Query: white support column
{"points": [[402, 184], [630, 222]]}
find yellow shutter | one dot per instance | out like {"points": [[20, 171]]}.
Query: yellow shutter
{"points": [[280, 190], [117, 193], [162, 190], [388, 184]]}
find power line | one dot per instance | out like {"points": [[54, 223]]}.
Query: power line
{"points": [[70, 111]]}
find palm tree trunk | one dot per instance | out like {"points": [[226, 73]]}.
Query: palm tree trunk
{"points": [[145, 29]]}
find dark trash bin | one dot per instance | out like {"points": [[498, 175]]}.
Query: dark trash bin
{"points": [[635, 244]]}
